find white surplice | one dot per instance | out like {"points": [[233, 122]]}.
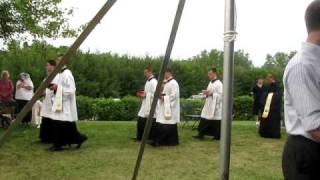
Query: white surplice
{"points": [[212, 109], [149, 89], [171, 91], [69, 107], [46, 110]]}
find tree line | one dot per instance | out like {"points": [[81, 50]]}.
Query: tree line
{"points": [[112, 75]]}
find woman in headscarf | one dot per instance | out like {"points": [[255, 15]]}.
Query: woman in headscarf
{"points": [[24, 92]]}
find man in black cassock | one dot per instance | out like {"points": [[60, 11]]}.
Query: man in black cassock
{"points": [[270, 119], [257, 92]]}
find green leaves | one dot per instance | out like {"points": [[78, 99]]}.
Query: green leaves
{"points": [[20, 19]]}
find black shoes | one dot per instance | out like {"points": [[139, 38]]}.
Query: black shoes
{"points": [[82, 141]]}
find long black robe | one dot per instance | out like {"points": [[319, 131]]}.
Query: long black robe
{"points": [[258, 92], [270, 126]]}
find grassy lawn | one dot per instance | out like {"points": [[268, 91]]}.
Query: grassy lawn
{"points": [[110, 155]]}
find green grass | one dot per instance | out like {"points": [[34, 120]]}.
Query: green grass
{"points": [[110, 155]]}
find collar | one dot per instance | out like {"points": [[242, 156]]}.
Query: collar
{"points": [[152, 77], [63, 69], [166, 81], [212, 81]]}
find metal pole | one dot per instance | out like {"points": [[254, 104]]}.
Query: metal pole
{"points": [[158, 88], [93, 23], [227, 88]]}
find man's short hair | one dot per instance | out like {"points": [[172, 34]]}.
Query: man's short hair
{"points": [[169, 70], [52, 62], [312, 16], [214, 70], [271, 76], [258, 78], [149, 69]]}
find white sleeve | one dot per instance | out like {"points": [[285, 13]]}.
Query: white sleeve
{"points": [[174, 93], [67, 83]]}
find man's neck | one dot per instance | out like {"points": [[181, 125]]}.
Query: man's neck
{"points": [[214, 78], [314, 38], [169, 78], [150, 76]]}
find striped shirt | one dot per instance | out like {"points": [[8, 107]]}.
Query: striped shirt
{"points": [[302, 91]]}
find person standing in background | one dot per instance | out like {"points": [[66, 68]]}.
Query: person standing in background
{"points": [[24, 92], [257, 92], [270, 119], [6, 87]]}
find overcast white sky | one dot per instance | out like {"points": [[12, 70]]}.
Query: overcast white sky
{"points": [[140, 27]]}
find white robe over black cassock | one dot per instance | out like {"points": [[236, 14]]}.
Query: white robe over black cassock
{"points": [[65, 111], [211, 113], [168, 115], [47, 123], [149, 90]]}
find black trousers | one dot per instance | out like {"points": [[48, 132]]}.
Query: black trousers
{"points": [[209, 128], [301, 159], [140, 128], [20, 105]]}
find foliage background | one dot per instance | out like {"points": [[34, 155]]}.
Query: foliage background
{"points": [[100, 77]]}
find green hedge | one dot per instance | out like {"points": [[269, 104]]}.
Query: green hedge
{"points": [[127, 108], [242, 108]]}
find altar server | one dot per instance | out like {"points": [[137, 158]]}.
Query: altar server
{"points": [[211, 114], [147, 98], [168, 113], [65, 112], [46, 113]]}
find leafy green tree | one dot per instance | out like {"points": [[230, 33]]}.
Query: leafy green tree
{"points": [[38, 18], [279, 60]]}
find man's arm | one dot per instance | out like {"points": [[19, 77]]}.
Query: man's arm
{"points": [[303, 89]]}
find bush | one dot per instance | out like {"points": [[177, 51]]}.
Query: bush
{"points": [[126, 109], [242, 108], [85, 107], [109, 109], [131, 106]]}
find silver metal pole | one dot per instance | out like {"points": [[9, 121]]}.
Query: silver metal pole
{"points": [[227, 88], [164, 65], [93, 23]]}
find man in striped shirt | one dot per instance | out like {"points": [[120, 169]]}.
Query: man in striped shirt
{"points": [[301, 156]]}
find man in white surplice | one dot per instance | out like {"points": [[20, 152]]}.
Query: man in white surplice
{"points": [[47, 123], [211, 114], [147, 98], [65, 111], [168, 113]]}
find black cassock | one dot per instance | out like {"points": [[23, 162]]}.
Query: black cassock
{"points": [[270, 126], [258, 92]]}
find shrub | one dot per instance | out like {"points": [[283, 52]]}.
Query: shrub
{"points": [[242, 108], [126, 109], [85, 107], [131, 106]]}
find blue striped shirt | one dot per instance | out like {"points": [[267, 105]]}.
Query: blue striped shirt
{"points": [[302, 91]]}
